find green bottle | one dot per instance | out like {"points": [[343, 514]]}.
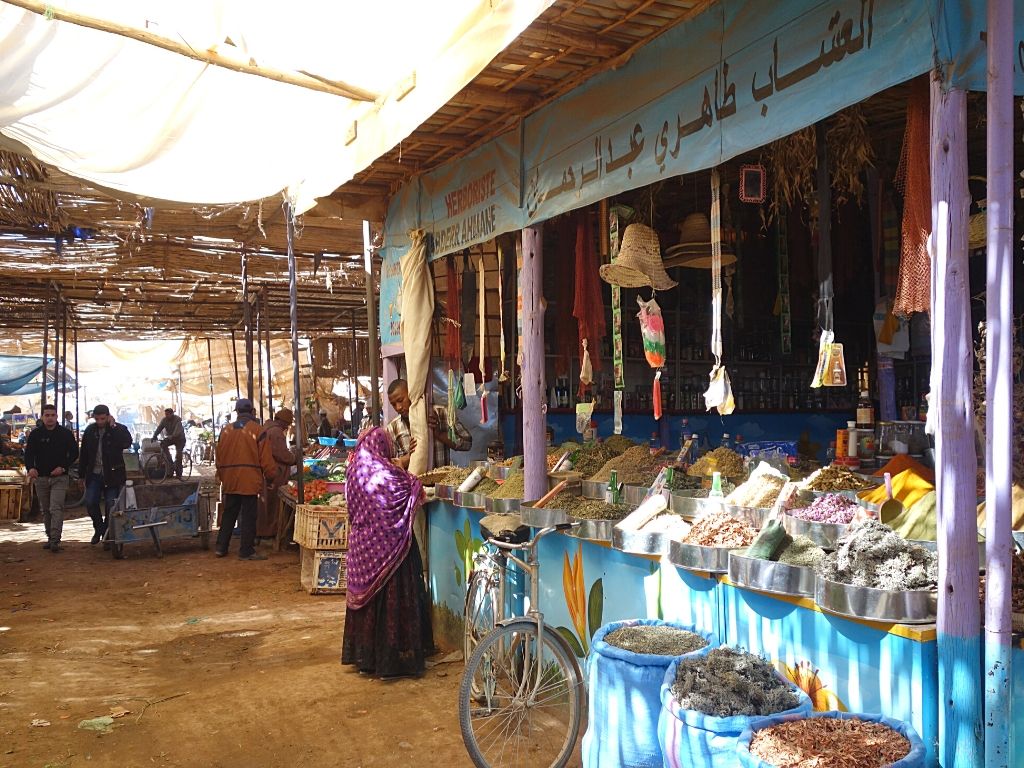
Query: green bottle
{"points": [[716, 486]]}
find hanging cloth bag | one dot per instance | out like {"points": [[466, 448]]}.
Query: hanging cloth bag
{"points": [[719, 391]]}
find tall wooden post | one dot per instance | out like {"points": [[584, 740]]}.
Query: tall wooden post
{"points": [[955, 458], [63, 366], [46, 348], [270, 371], [534, 408], [373, 343], [999, 390], [293, 311], [213, 408], [259, 351], [234, 364], [247, 323], [78, 410]]}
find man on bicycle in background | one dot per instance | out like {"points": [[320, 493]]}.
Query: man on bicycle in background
{"points": [[49, 454], [175, 431]]}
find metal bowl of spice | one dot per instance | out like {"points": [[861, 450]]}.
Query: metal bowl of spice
{"points": [[494, 505], [769, 576], [643, 533], [689, 504], [593, 489], [469, 500], [911, 606], [444, 492], [554, 513], [825, 535], [596, 518], [693, 557], [706, 547]]}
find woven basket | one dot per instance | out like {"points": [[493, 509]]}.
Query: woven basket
{"points": [[639, 262]]}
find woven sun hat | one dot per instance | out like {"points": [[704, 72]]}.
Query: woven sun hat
{"points": [[639, 262], [694, 248]]}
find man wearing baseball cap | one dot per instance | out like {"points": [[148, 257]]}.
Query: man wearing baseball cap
{"points": [[242, 467], [101, 462]]}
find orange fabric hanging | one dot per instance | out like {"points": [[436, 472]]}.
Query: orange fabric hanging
{"points": [[913, 179]]}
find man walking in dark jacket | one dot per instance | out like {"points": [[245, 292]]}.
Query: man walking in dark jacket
{"points": [[49, 454], [102, 465]]}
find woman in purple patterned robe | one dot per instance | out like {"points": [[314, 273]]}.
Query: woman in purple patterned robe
{"points": [[387, 617]]}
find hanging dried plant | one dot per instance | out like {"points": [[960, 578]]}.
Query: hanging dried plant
{"points": [[791, 162], [849, 154]]}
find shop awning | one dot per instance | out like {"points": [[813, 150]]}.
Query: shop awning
{"points": [[137, 119]]}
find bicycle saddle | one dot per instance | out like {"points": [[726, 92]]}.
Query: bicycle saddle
{"points": [[506, 528]]}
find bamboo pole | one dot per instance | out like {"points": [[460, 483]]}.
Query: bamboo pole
{"points": [[46, 348], [300, 79], [259, 351], [955, 460], [247, 324], [373, 344], [293, 311], [999, 384], [534, 439]]}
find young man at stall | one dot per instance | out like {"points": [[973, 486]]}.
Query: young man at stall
{"points": [[49, 454], [437, 422], [174, 435], [102, 464], [269, 522], [241, 469]]}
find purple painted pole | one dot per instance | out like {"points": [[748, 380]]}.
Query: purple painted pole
{"points": [[999, 390], [960, 713], [531, 279]]}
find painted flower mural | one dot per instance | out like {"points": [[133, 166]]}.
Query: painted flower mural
{"points": [[805, 677], [585, 611], [466, 546]]}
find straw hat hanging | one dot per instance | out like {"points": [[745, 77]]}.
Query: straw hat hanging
{"points": [[694, 248], [639, 262]]}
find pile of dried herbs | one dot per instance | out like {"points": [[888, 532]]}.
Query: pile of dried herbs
{"points": [[634, 467], [728, 682], [587, 509], [873, 555], [512, 488], [655, 639], [828, 742], [724, 460], [836, 478], [718, 529], [446, 476]]}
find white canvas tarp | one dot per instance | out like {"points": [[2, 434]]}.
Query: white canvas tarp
{"points": [[137, 119]]}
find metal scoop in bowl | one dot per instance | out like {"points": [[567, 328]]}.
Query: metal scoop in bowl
{"points": [[891, 508]]}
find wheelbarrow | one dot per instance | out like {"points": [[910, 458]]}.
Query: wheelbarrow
{"points": [[160, 513]]}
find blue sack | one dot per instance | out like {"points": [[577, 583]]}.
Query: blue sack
{"points": [[914, 759], [692, 739], [625, 699]]}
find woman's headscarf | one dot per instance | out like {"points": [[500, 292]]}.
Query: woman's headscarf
{"points": [[382, 500]]}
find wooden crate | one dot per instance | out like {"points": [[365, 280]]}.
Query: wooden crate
{"points": [[324, 572], [321, 527], [10, 501]]}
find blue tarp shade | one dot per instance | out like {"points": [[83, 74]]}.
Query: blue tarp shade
{"points": [[16, 372], [32, 387]]}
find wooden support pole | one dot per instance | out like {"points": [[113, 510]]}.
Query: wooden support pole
{"points": [[58, 310], [247, 324], [531, 279], [999, 389], [293, 310], [373, 344], [46, 349], [353, 375], [213, 409], [300, 79], [78, 409], [270, 372], [234, 364], [63, 366], [259, 351], [955, 459]]}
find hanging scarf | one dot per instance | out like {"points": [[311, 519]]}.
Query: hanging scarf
{"points": [[382, 501]]}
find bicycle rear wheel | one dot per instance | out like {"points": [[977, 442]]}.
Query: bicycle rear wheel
{"points": [[481, 610], [186, 465], [516, 721], [154, 468]]}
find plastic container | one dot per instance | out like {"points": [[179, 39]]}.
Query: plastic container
{"points": [[327, 440]]}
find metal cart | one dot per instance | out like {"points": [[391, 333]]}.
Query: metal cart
{"points": [[161, 513]]}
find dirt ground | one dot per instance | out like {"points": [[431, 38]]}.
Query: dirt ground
{"points": [[221, 663]]}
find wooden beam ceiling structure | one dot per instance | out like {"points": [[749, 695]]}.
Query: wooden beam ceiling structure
{"points": [[136, 269]]}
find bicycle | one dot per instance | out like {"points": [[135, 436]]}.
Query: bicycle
{"points": [[521, 696], [156, 469]]}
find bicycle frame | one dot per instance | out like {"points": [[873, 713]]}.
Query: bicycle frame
{"points": [[531, 566]]}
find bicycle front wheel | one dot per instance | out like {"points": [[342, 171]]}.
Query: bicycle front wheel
{"points": [[186, 465], [481, 611], [531, 707]]}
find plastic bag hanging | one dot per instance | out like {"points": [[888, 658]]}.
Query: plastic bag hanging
{"points": [[586, 370], [652, 329], [719, 391], [656, 396]]}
